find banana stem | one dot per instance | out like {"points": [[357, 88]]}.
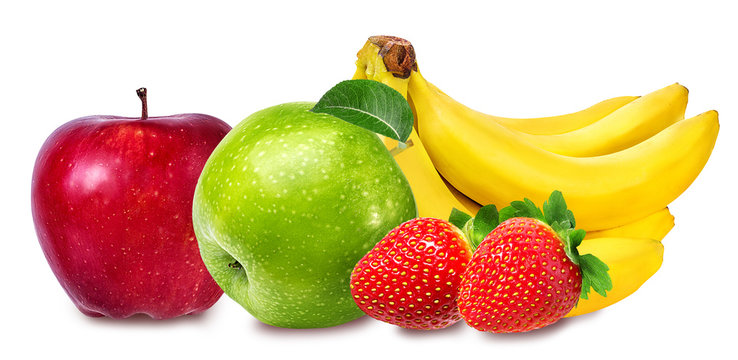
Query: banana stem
{"points": [[397, 54], [387, 59]]}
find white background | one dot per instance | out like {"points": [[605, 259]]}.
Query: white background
{"points": [[67, 59]]}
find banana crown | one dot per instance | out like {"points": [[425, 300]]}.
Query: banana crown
{"points": [[554, 214], [386, 59]]}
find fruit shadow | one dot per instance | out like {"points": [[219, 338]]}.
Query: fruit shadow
{"points": [[144, 320], [351, 326], [555, 329], [457, 328]]}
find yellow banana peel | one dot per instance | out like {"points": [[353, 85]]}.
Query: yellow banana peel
{"points": [[560, 124], [654, 226], [621, 129], [491, 165], [632, 261]]}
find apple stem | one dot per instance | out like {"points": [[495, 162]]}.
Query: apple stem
{"points": [[144, 106], [401, 146]]}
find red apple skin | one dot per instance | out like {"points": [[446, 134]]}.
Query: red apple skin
{"points": [[112, 206]]}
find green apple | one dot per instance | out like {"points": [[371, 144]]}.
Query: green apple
{"points": [[287, 204]]}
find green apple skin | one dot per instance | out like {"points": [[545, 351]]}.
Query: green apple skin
{"points": [[287, 204]]}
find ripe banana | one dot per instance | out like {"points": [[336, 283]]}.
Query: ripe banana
{"points": [[631, 261], [374, 57], [621, 129], [654, 226], [434, 197], [554, 125], [493, 165]]}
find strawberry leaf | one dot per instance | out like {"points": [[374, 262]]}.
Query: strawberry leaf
{"points": [[459, 218], [484, 222], [555, 208], [506, 213], [476, 228], [525, 208], [594, 275], [556, 211], [576, 237], [570, 218]]}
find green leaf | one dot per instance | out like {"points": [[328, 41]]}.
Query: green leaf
{"points": [[476, 228], [525, 208], [572, 239], [458, 218], [570, 217], [576, 237], [371, 105], [485, 221], [594, 275], [556, 211], [557, 228], [506, 213]]}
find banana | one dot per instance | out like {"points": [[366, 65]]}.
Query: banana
{"points": [[434, 197], [621, 129], [631, 261], [381, 52], [554, 125], [491, 164], [654, 226]]}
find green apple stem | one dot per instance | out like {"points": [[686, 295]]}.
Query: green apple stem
{"points": [[141, 92], [235, 265], [401, 146]]}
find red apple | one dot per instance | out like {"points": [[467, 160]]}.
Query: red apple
{"points": [[112, 205]]}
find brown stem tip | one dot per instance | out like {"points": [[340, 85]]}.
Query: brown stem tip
{"points": [[397, 53], [144, 106]]}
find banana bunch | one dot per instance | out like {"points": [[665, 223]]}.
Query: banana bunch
{"points": [[619, 163]]}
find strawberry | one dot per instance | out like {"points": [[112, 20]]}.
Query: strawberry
{"points": [[411, 277], [527, 273]]}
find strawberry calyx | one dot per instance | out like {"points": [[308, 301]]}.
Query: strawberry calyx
{"points": [[476, 228], [556, 215]]}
